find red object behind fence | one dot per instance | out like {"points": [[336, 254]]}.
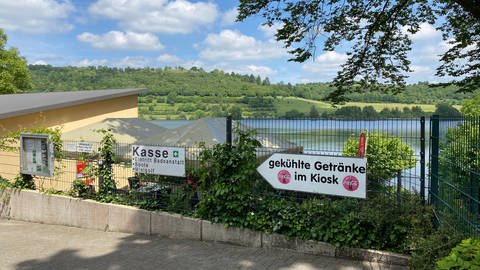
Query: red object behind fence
{"points": [[361, 145]]}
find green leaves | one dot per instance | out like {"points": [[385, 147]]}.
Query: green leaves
{"points": [[465, 255], [379, 34], [14, 75], [386, 156]]}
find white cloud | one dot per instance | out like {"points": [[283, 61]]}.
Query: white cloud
{"points": [[270, 31], [128, 61], [231, 45], [90, 63], [40, 63], [326, 64], [35, 16], [421, 69], [229, 17], [116, 40], [261, 70], [158, 16], [168, 59], [132, 61], [426, 33]]}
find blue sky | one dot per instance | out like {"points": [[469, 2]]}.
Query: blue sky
{"points": [[159, 33]]}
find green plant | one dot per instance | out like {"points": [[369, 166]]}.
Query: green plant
{"points": [[465, 255], [385, 156], [24, 181], [429, 247], [81, 189], [228, 178], [107, 185]]}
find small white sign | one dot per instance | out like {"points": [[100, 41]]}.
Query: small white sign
{"points": [[85, 147], [332, 175], [71, 147], [158, 160]]}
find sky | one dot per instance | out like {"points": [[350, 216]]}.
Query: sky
{"points": [[186, 33]]}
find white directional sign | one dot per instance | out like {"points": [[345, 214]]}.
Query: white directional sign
{"points": [[341, 176], [158, 160]]}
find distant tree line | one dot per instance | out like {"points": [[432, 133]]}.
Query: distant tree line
{"points": [[369, 112]]}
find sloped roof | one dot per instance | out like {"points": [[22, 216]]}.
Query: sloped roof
{"points": [[212, 131], [20, 104], [125, 130], [208, 130]]}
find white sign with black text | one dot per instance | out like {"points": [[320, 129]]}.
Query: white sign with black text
{"points": [[159, 160], [332, 175]]}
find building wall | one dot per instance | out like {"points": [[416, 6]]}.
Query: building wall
{"points": [[75, 116], [68, 118]]}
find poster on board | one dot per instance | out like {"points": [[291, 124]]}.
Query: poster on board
{"points": [[36, 154]]}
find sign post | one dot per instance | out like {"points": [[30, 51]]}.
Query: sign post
{"points": [[331, 175], [36, 154], [158, 160]]}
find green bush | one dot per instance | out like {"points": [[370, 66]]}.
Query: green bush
{"points": [[385, 156], [228, 178], [429, 247], [24, 181], [81, 189], [234, 194], [465, 255]]}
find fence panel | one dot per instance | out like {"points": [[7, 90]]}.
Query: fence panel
{"points": [[329, 136], [455, 172], [306, 136]]}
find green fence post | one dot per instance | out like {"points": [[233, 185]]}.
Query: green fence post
{"points": [[422, 158], [434, 138], [229, 131]]}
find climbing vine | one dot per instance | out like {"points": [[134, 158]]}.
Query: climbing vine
{"points": [[106, 185]]}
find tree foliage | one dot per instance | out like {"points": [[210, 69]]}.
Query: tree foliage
{"points": [[471, 107], [379, 33], [14, 76]]}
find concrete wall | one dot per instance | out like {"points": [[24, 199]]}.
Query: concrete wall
{"points": [[53, 209]]}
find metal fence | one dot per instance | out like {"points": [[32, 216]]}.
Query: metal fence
{"points": [[455, 172], [329, 137], [306, 136]]}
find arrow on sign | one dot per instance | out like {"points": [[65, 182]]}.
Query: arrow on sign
{"points": [[332, 175]]}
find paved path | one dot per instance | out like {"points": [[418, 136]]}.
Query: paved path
{"points": [[38, 246]]}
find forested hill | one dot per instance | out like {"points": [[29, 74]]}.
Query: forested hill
{"points": [[160, 81], [197, 82]]}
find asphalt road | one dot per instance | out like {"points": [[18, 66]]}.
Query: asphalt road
{"points": [[26, 245]]}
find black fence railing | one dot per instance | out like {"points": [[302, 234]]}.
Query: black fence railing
{"points": [[455, 172], [305, 136], [329, 137]]}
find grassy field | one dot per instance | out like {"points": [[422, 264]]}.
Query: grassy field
{"points": [[377, 106], [197, 108]]}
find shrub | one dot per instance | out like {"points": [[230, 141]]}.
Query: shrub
{"points": [[227, 177], [81, 189], [385, 156], [428, 248], [465, 255], [24, 181]]}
